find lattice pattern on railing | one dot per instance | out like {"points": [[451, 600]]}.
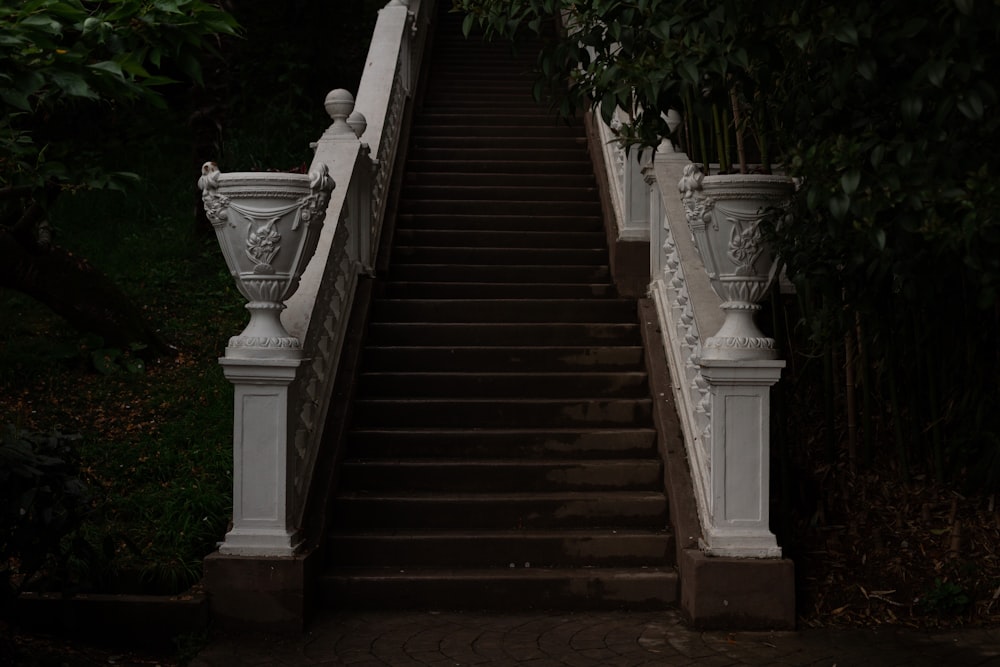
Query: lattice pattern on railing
{"points": [[387, 151], [359, 209]]}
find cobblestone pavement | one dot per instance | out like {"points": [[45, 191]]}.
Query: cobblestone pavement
{"points": [[601, 639]]}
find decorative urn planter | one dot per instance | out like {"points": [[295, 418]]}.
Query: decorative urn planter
{"points": [[268, 225], [725, 214]]}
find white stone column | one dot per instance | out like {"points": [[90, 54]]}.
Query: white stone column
{"points": [[739, 395], [262, 435], [635, 196]]}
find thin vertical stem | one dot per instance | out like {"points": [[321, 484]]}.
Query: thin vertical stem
{"points": [[719, 142], [852, 416], [897, 426], [867, 434], [741, 153]]}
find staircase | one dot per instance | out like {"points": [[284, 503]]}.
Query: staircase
{"points": [[502, 452]]}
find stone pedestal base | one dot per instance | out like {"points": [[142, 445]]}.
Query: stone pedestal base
{"points": [[744, 593], [249, 593]]}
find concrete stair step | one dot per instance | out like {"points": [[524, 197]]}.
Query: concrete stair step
{"points": [[499, 476], [502, 334], [503, 154], [456, 255], [500, 223], [503, 310], [522, 166], [521, 443], [548, 194], [439, 130], [515, 589], [500, 273], [444, 74], [509, 359], [467, 290], [501, 549], [484, 141], [502, 413], [584, 181], [488, 238], [500, 114], [378, 512], [477, 383]]}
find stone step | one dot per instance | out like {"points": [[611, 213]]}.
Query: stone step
{"points": [[521, 443], [438, 475], [438, 130], [469, 290], [474, 382], [486, 238], [510, 359], [488, 142], [502, 413], [502, 334], [379, 512], [503, 310], [500, 256], [497, 193], [515, 589], [500, 223], [522, 166], [502, 549], [502, 154], [500, 273], [495, 115], [441, 179]]}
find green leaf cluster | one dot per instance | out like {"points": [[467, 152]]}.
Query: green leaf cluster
{"points": [[886, 112], [58, 56], [42, 501]]}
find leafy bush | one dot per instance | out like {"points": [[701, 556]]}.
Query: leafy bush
{"points": [[43, 500], [887, 112]]}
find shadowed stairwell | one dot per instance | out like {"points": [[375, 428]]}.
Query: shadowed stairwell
{"points": [[502, 452]]}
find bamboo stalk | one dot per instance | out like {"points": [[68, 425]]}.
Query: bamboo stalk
{"points": [[719, 141], [867, 428], [851, 400], [897, 427], [829, 401], [741, 153]]}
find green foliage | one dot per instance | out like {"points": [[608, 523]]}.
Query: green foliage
{"points": [[41, 501], [651, 57], [945, 598], [887, 113], [64, 56]]}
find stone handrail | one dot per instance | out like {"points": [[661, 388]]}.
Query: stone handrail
{"points": [[723, 407], [359, 147], [629, 195]]}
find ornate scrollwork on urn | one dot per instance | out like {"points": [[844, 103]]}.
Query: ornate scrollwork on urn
{"points": [[725, 214], [268, 225]]}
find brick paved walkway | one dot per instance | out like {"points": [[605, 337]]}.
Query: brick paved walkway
{"points": [[603, 639]]}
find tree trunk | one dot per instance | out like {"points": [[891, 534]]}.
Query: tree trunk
{"points": [[70, 286]]}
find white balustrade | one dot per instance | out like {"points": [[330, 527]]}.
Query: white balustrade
{"points": [[629, 193], [281, 404], [723, 405]]}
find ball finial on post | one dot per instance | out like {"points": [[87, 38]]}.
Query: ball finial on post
{"points": [[339, 104]]}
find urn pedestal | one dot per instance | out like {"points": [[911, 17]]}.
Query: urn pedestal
{"points": [[268, 226]]}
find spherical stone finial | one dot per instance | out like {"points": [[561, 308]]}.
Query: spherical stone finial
{"points": [[339, 104], [358, 123]]}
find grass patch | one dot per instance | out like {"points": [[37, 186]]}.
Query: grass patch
{"points": [[155, 446], [157, 435]]}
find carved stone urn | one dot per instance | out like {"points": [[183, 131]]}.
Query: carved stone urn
{"points": [[268, 225], [725, 214]]}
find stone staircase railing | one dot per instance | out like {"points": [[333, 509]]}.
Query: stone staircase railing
{"points": [[274, 462], [727, 447], [731, 568]]}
